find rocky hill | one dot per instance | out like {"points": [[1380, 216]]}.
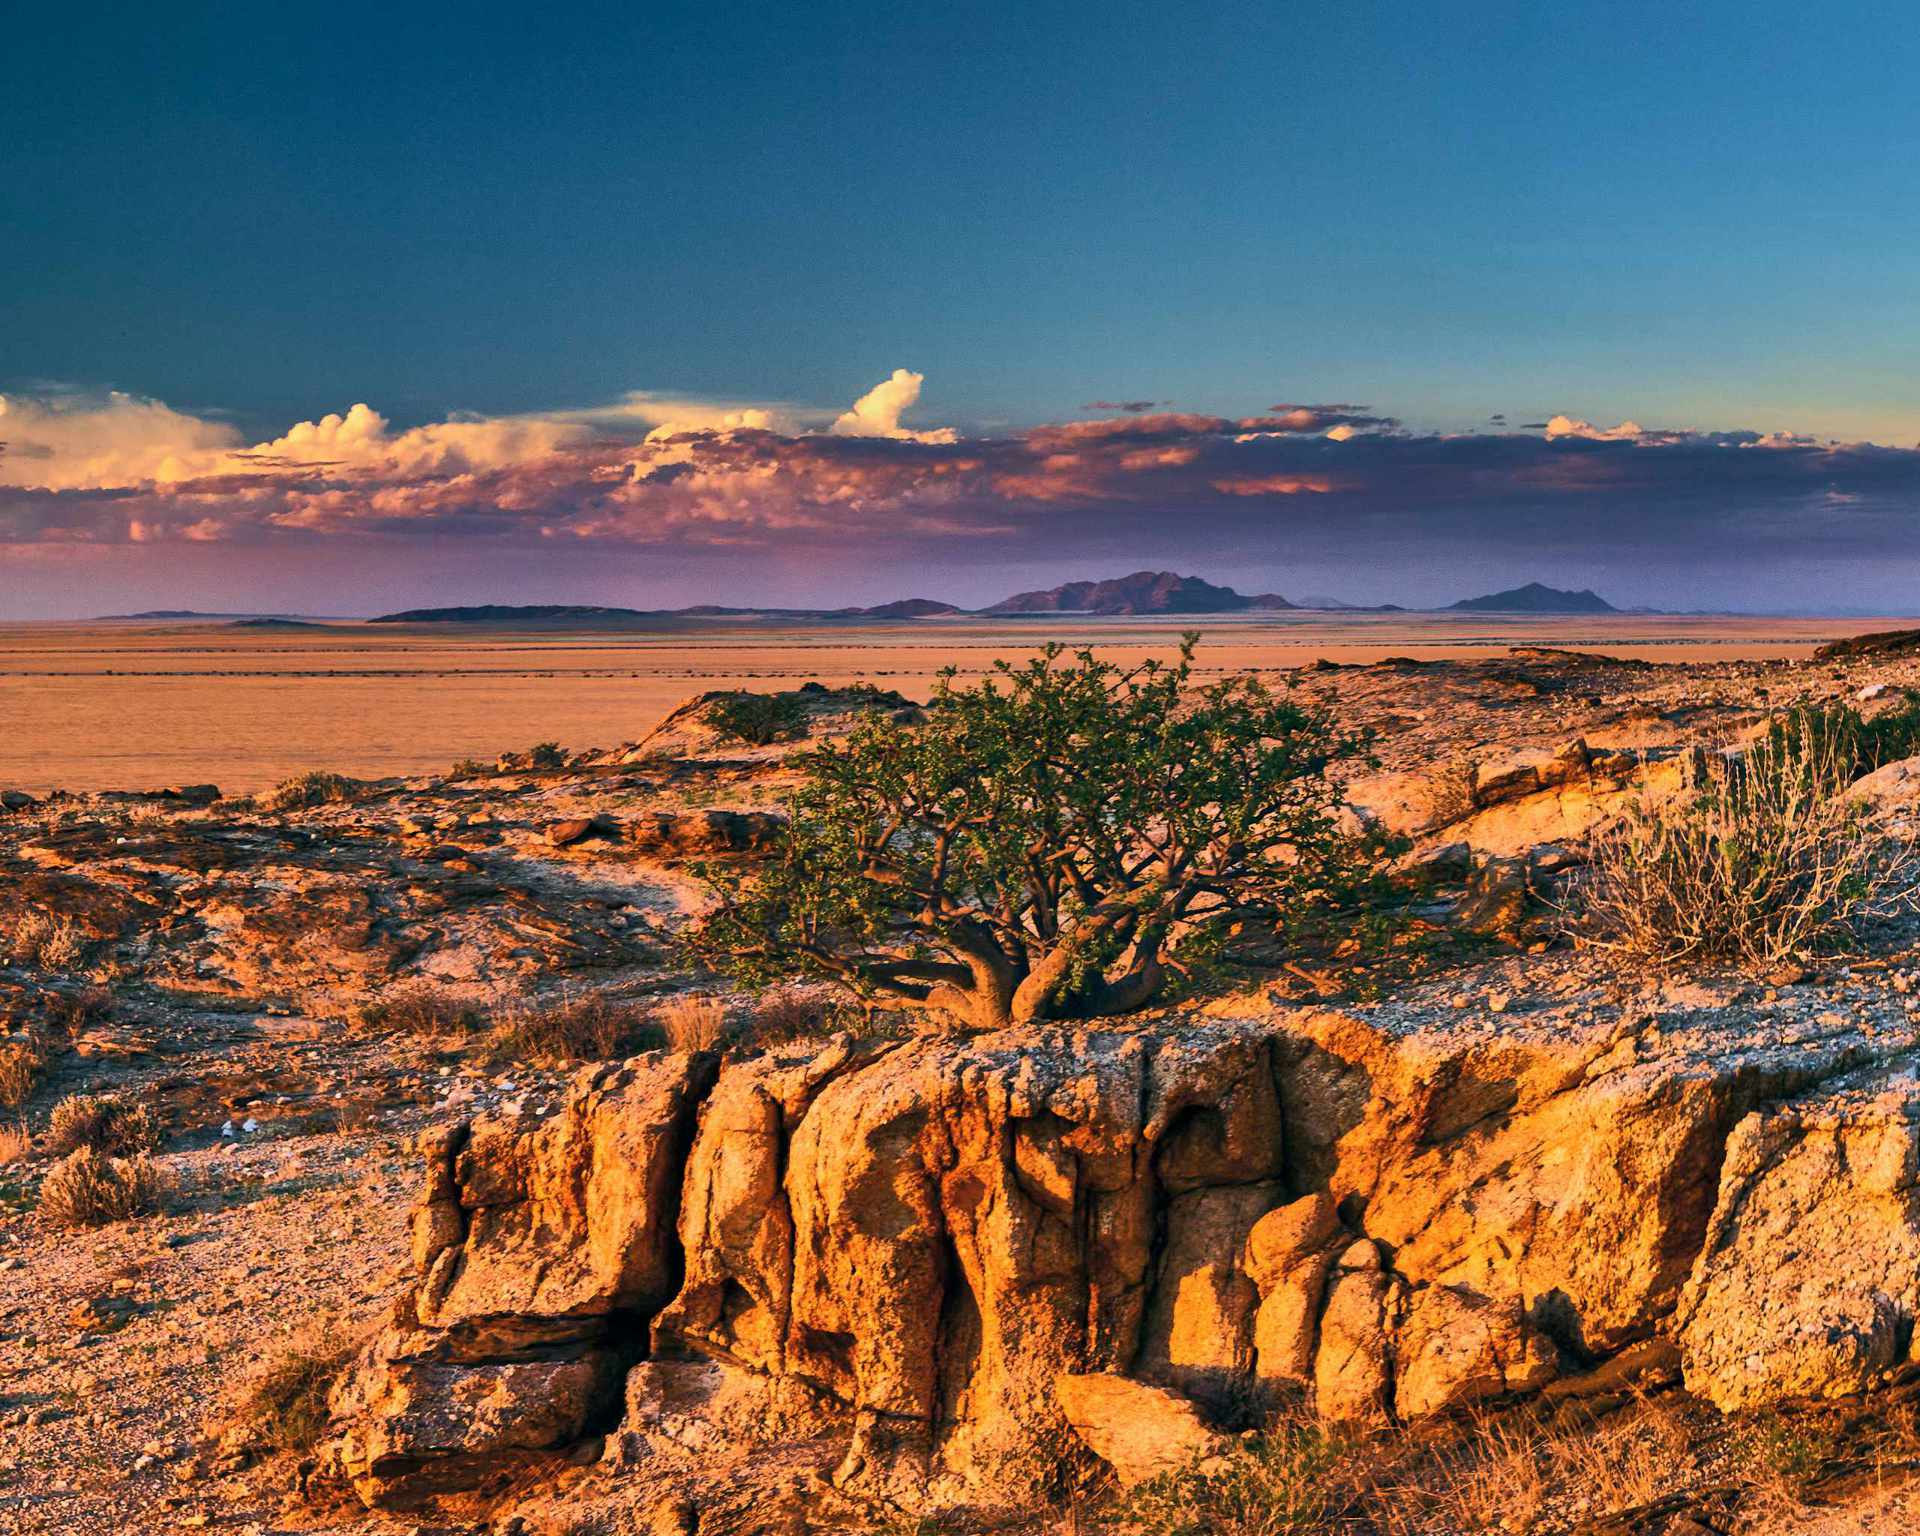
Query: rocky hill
{"points": [[1535, 598], [1142, 592]]}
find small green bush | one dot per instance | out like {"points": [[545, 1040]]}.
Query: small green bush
{"points": [[547, 755], [759, 719], [316, 788], [282, 1406], [1289, 1479]]}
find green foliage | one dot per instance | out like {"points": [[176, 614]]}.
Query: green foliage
{"points": [[1766, 859], [758, 719], [1285, 1480], [307, 790], [1044, 844], [547, 754], [1859, 744]]}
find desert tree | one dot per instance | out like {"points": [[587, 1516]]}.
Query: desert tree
{"points": [[1044, 841]]}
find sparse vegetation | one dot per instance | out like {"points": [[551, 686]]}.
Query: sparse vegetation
{"points": [[785, 1014], [585, 1028], [547, 755], [107, 1123], [422, 1009], [50, 942], [315, 788], [693, 1023], [1295, 1476], [1764, 860], [89, 1189], [1857, 744], [1047, 842], [282, 1404], [16, 1143], [758, 719], [23, 1058]]}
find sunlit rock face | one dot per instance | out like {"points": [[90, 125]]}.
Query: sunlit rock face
{"points": [[935, 1263]]}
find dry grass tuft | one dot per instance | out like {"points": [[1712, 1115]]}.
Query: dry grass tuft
{"points": [[1765, 861], [87, 1189], [22, 1059], [693, 1023], [315, 788], [788, 1014], [422, 1009], [52, 943], [116, 1126], [16, 1143], [588, 1028], [282, 1404]]}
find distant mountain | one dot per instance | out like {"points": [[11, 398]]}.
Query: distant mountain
{"points": [[511, 613], [1535, 598], [1142, 592], [905, 608], [192, 613]]}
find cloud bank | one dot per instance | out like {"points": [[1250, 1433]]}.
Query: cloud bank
{"points": [[654, 472]]}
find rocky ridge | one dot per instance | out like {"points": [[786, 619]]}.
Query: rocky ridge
{"points": [[911, 1257]]}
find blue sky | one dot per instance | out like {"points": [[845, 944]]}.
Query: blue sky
{"points": [[1697, 216]]}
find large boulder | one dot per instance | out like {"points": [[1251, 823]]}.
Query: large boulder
{"points": [[951, 1266]]}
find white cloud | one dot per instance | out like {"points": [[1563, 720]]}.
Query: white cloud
{"points": [[877, 413], [88, 442], [1572, 426]]}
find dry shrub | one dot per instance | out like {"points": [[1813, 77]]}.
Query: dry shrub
{"points": [[307, 790], [1767, 859], [419, 1008], [52, 943], [88, 1189], [693, 1023], [16, 1143], [116, 1126], [282, 1404], [792, 1013], [22, 1059], [589, 1028]]}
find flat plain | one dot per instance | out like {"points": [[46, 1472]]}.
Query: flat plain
{"points": [[140, 705]]}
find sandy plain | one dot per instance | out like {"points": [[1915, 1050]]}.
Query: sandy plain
{"points": [[141, 705]]}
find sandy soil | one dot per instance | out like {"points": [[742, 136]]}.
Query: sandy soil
{"points": [[132, 705]]}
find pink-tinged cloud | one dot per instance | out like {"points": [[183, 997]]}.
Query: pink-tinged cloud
{"points": [[659, 473]]}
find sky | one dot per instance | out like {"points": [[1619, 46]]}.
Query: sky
{"points": [[380, 306]]}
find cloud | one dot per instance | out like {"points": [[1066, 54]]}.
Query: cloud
{"points": [[1128, 407], [81, 442], [680, 477], [877, 413]]}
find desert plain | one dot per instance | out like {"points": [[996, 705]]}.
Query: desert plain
{"points": [[479, 1206], [135, 703]]}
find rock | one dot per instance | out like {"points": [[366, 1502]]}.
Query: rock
{"points": [[1140, 1431], [1496, 900], [564, 834], [193, 794], [16, 800], [1891, 791], [1809, 1276], [1289, 1254], [908, 1245], [1350, 1367], [689, 833]]}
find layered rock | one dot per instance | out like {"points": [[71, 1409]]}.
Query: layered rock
{"points": [[964, 1253]]}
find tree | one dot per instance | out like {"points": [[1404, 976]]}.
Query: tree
{"points": [[1041, 844]]}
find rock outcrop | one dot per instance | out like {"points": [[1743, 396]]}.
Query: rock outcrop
{"points": [[948, 1264]]}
